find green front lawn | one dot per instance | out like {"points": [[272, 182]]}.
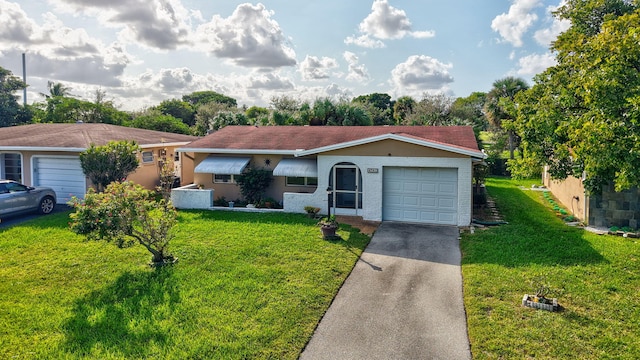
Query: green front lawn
{"points": [[246, 286], [595, 277]]}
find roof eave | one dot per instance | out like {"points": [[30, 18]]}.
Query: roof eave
{"points": [[426, 143], [238, 151], [165, 144], [42, 148]]}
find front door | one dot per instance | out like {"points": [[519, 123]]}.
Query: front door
{"points": [[346, 183]]}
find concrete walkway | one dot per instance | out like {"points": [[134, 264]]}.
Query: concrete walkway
{"points": [[403, 300]]}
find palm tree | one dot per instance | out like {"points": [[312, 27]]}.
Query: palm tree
{"points": [[56, 90], [503, 91]]}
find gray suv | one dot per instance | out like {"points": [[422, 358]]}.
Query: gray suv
{"points": [[16, 198]]}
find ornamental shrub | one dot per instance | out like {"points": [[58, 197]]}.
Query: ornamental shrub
{"points": [[126, 214]]}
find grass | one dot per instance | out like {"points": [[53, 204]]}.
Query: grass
{"points": [[246, 286], [595, 277]]}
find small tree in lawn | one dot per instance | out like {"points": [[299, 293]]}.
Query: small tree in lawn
{"points": [[126, 214], [111, 162]]}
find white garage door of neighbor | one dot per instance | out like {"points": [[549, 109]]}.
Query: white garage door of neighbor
{"points": [[425, 195], [63, 174]]}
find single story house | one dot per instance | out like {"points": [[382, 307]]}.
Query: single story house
{"points": [[604, 210], [48, 154], [401, 173]]}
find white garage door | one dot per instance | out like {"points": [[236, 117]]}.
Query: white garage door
{"points": [[63, 174], [426, 195]]}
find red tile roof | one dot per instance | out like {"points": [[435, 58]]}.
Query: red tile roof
{"points": [[313, 137], [82, 135]]}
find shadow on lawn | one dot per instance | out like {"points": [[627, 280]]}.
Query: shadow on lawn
{"points": [[534, 235], [125, 317]]}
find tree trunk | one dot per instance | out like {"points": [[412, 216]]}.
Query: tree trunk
{"points": [[511, 147]]}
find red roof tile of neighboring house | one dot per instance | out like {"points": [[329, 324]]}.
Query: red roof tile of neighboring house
{"points": [[313, 137], [82, 135]]}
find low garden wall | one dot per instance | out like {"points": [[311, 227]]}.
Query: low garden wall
{"points": [[190, 197]]}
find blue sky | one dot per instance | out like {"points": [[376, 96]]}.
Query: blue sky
{"points": [[141, 52]]}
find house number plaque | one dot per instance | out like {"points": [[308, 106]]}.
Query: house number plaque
{"points": [[372, 170]]}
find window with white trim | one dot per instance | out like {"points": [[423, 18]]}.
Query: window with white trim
{"points": [[147, 157], [11, 166], [223, 179], [301, 181]]}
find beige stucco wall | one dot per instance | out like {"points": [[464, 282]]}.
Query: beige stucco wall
{"points": [[391, 147], [147, 175], [232, 191], [570, 192]]}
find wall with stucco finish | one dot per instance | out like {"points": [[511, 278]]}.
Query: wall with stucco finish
{"points": [[372, 188]]}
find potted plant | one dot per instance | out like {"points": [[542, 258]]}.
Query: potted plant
{"points": [[328, 226], [312, 211], [540, 300]]}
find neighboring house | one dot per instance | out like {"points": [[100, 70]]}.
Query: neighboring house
{"points": [[403, 173], [610, 208], [48, 154]]}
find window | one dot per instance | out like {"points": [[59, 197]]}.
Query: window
{"points": [[15, 187], [11, 167], [223, 179], [147, 157], [302, 181]]}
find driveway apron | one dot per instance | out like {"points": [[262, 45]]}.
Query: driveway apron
{"points": [[403, 300]]}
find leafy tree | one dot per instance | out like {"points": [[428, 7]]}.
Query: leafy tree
{"points": [[198, 98], [253, 183], [432, 110], [154, 120], [499, 106], [379, 107], [11, 113], [403, 107], [111, 162], [126, 214], [60, 109], [471, 109], [206, 114], [104, 111], [285, 103], [381, 101], [352, 115], [255, 114], [178, 109], [582, 116]]}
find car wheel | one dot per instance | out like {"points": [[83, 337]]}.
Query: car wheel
{"points": [[46, 205]]}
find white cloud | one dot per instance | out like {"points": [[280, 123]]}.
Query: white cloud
{"points": [[535, 64], [513, 25], [546, 36], [249, 37], [419, 74], [364, 41], [314, 68], [357, 72], [385, 23], [59, 53], [156, 24], [271, 81]]}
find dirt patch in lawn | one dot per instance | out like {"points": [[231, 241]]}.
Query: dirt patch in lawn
{"points": [[365, 226]]}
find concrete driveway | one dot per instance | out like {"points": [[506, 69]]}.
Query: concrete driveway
{"points": [[403, 300]]}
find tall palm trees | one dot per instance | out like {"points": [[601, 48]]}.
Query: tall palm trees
{"points": [[499, 105]]}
